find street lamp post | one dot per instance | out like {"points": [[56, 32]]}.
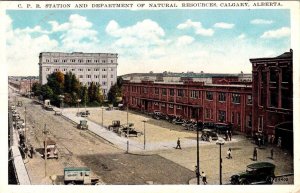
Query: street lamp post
{"points": [[144, 134], [220, 143], [198, 160], [78, 101]]}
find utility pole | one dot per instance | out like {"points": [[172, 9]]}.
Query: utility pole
{"points": [[198, 160], [144, 134], [25, 133], [45, 150], [127, 131], [220, 143]]}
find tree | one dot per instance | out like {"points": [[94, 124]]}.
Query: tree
{"points": [[115, 92], [36, 89], [84, 94], [56, 82], [47, 92]]}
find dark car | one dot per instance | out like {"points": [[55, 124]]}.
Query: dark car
{"points": [[257, 173], [208, 134], [208, 125], [223, 127], [157, 115]]}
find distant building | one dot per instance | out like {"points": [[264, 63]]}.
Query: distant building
{"points": [[272, 92], [196, 77], [22, 84], [100, 68]]}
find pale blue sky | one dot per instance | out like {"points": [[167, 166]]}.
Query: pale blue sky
{"points": [[157, 40]]}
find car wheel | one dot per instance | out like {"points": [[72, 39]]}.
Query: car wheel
{"points": [[244, 182], [270, 179]]}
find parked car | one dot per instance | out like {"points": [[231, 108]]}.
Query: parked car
{"points": [[223, 127], [157, 115], [261, 172], [208, 125], [208, 134], [83, 125], [84, 114]]}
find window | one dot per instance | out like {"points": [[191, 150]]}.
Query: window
{"points": [[232, 117], [171, 106], [56, 60], [222, 97], [103, 69], [73, 69], [156, 91], [208, 114], [260, 122], [104, 91], [88, 76], [155, 103], [88, 69], [172, 92], [222, 116], [163, 104], [103, 83], [145, 89], [164, 92], [209, 95], [249, 99], [88, 61], [103, 61], [96, 76], [180, 92], [238, 116], [64, 61], [236, 98], [195, 94], [80, 60], [96, 61], [103, 76], [179, 107], [111, 69], [80, 69], [111, 76], [47, 60], [73, 60], [111, 61], [65, 69], [249, 120], [112, 82], [96, 69], [47, 69]]}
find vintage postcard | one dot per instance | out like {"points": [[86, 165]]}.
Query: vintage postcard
{"points": [[200, 95]]}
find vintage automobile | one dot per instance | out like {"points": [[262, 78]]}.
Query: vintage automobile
{"points": [[208, 134], [157, 115], [257, 173], [79, 175], [114, 126], [83, 125], [208, 125], [223, 127]]}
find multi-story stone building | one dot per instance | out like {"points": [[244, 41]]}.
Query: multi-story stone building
{"points": [[100, 68], [272, 92]]}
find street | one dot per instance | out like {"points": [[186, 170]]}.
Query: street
{"points": [[112, 165]]}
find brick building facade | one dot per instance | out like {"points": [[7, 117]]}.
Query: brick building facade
{"points": [[216, 103], [272, 92]]}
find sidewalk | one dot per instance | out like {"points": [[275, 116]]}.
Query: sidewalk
{"points": [[134, 146]]}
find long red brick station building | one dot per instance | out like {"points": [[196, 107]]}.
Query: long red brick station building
{"points": [[261, 102]]}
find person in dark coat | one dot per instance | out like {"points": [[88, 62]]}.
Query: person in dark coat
{"points": [[255, 154], [178, 144], [272, 153]]}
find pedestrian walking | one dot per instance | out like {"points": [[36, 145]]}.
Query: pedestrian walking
{"points": [[272, 139], [203, 175], [226, 136], [255, 154], [259, 141], [272, 153], [229, 156], [178, 144], [279, 142], [230, 135]]}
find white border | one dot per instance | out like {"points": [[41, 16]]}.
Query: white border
{"points": [[294, 7]]}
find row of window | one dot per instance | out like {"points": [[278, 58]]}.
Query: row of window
{"points": [[80, 69], [80, 61], [171, 106], [236, 98], [95, 76]]}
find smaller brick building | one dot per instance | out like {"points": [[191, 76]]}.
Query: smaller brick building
{"points": [[218, 103]]}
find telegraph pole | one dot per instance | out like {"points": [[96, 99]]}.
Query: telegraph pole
{"points": [[45, 150]]}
